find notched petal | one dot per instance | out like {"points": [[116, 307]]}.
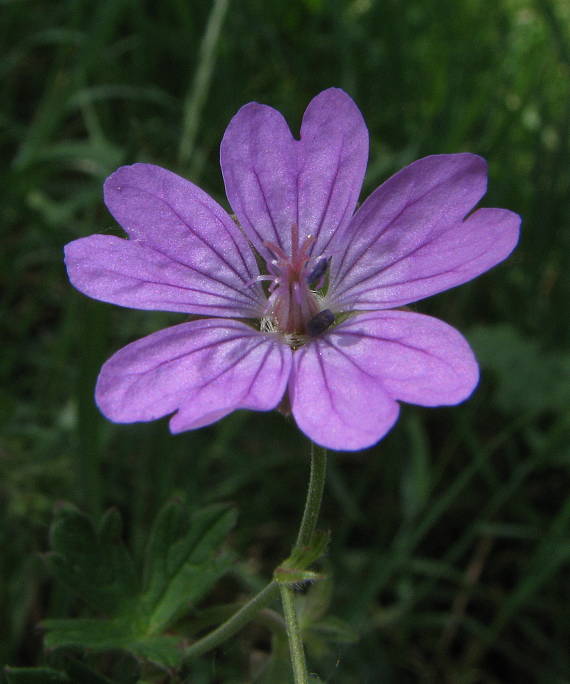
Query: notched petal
{"points": [[204, 370], [274, 181], [346, 383], [335, 401], [177, 228], [420, 359], [132, 274], [411, 239]]}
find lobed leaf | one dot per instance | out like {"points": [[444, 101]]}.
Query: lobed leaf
{"points": [[93, 563], [182, 564]]}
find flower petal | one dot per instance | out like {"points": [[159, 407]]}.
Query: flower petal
{"points": [[184, 253], [203, 369], [273, 181], [335, 400], [130, 273], [410, 239], [420, 359], [345, 383]]}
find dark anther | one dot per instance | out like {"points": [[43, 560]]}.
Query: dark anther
{"points": [[319, 323], [318, 272]]}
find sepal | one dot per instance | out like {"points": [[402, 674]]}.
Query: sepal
{"points": [[295, 570]]}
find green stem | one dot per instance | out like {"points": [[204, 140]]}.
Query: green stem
{"points": [[304, 538], [233, 625], [294, 637], [249, 610], [314, 496]]}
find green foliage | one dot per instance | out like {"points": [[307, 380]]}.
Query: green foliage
{"points": [[529, 379], [93, 562], [278, 666], [182, 563], [71, 670], [35, 675], [323, 632]]}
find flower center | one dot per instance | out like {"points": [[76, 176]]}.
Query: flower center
{"points": [[292, 302]]}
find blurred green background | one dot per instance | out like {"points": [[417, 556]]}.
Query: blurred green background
{"points": [[450, 546]]}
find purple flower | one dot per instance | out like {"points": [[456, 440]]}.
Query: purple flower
{"points": [[300, 302]]}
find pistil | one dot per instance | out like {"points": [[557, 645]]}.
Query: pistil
{"points": [[292, 304]]}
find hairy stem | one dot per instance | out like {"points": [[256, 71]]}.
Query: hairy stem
{"points": [[294, 637], [234, 624], [261, 600], [304, 538], [314, 496]]}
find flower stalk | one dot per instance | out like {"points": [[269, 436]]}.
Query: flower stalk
{"points": [[296, 650], [305, 539], [282, 580], [314, 496]]}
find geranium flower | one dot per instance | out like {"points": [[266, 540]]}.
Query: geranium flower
{"points": [[299, 304]]}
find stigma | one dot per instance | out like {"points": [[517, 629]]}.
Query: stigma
{"points": [[293, 303]]}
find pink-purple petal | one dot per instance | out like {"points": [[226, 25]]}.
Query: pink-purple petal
{"points": [[130, 273], [335, 400], [333, 158], [171, 220], [345, 385], [460, 254], [259, 164], [420, 359], [410, 239], [274, 181], [203, 369]]}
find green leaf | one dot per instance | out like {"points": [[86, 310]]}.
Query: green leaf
{"points": [[93, 563], [181, 565], [321, 632], [35, 675], [165, 650], [335, 630], [108, 635], [315, 603], [323, 637], [86, 633]]}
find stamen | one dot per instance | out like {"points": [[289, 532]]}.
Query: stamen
{"points": [[276, 250], [319, 323], [319, 269]]}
